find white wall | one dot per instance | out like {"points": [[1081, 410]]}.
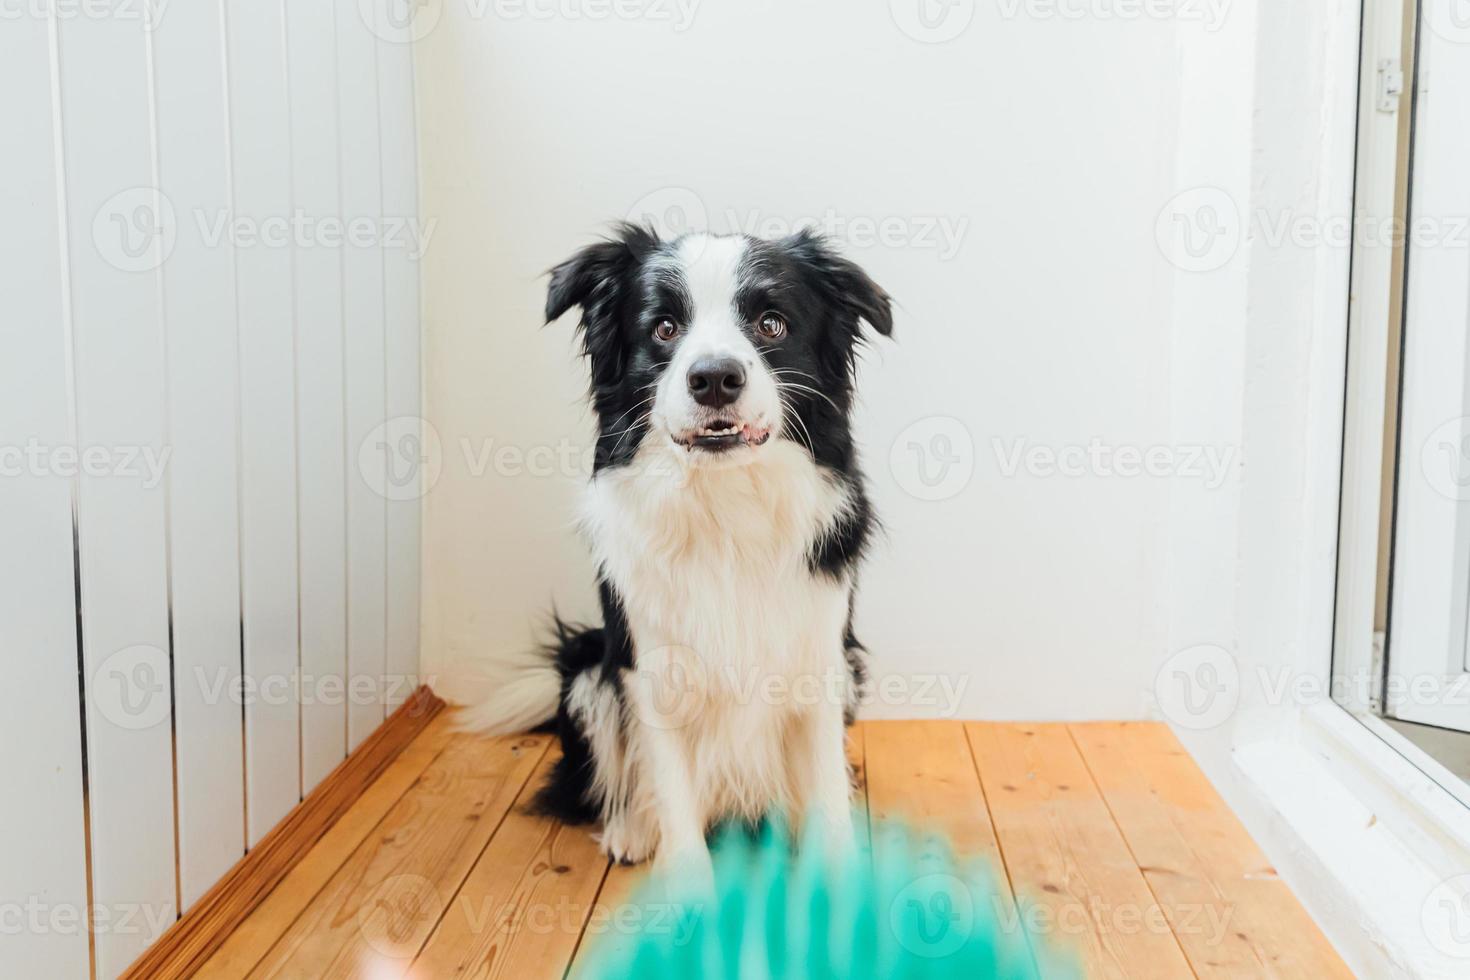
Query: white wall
{"points": [[1047, 142], [174, 380]]}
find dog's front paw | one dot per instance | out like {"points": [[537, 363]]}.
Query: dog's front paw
{"points": [[625, 843]]}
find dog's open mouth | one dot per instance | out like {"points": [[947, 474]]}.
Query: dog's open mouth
{"points": [[722, 434]]}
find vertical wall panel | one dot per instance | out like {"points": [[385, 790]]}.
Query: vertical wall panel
{"points": [[38, 626], [311, 33], [209, 320], [118, 231], [261, 143], [362, 277], [406, 235], [204, 536]]}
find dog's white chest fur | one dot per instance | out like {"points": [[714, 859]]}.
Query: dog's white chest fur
{"points": [[713, 566]]}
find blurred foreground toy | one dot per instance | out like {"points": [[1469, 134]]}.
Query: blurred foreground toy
{"points": [[908, 910]]}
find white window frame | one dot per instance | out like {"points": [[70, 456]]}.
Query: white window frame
{"points": [[1358, 653], [1357, 821]]}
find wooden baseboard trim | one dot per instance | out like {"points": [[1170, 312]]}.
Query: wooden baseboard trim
{"points": [[190, 941]]}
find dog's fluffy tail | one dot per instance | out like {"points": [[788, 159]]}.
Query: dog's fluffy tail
{"points": [[524, 688]]}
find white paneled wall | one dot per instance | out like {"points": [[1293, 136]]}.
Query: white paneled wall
{"points": [[210, 314], [364, 353], [38, 626], [204, 505], [401, 308], [117, 334], [260, 130], [311, 30]]}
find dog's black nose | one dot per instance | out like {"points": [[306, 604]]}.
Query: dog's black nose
{"points": [[716, 381]]}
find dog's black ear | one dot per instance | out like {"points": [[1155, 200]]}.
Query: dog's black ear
{"points": [[576, 281], [844, 281], [591, 278], [599, 280]]}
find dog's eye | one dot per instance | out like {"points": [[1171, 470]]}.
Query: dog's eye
{"points": [[771, 326], [665, 329]]}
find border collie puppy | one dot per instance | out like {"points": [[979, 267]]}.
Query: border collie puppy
{"points": [[727, 516]]}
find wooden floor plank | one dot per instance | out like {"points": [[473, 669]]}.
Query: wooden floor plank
{"points": [[616, 916], [524, 905], [1076, 881], [1110, 834], [921, 772], [1231, 913], [374, 914], [249, 943]]}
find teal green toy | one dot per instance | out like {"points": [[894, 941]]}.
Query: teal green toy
{"points": [[906, 910]]}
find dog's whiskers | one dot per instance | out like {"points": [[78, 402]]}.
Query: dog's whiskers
{"points": [[789, 413], [640, 420], [792, 386], [635, 408]]}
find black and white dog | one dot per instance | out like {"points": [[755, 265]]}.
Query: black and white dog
{"points": [[727, 516]]}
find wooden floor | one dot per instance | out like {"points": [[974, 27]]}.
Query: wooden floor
{"points": [[1108, 833]]}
